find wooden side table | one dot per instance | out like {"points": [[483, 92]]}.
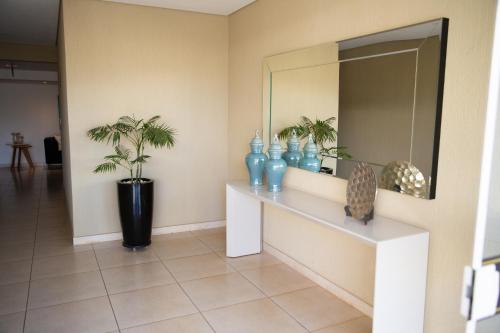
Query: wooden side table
{"points": [[18, 148]]}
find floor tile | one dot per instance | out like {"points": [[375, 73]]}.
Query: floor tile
{"points": [[6, 222], [252, 261], [13, 297], [88, 316], [149, 305], [261, 316], [188, 324], [15, 271], [315, 308], [121, 256], [277, 279], [66, 288], [64, 264], [108, 245], [179, 247], [221, 290], [359, 325], [174, 235], [51, 221], [53, 232], [12, 323], [215, 241], [55, 247], [127, 278], [14, 252], [209, 231], [197, 267], [17, 235]]}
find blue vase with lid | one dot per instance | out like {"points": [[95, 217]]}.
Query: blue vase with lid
{"points": [[293, 155], [310, 161], [255, 160], [275, 166]]}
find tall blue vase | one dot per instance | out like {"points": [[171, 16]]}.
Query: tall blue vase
{"points": [[310, 161], [255, 160], [293, 155], [275, 166]]}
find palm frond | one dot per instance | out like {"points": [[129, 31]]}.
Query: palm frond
{"points": [[338, 152], [105, 167], [159, 135], [152, 120], [99, 133], [286, 132], [140, 159], [138, 133]]}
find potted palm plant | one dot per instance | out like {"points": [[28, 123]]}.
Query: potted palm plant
{"points": [[323, 133], [129, 136]]}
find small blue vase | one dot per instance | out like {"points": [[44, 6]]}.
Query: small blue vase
{"points": [[275, 166], [293, 155], [255, 160], [310, 161]]}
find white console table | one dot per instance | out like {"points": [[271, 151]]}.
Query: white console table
{"points": [[401, 249]]}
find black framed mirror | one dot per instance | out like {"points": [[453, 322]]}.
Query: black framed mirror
{"points": [[381, 96]]}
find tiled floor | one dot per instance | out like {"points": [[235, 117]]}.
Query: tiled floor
{"points": [[182, 283]]}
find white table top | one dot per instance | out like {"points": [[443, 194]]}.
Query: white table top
{"points": [[330, 214]]}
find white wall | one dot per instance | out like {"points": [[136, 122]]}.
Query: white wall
{"points": [[31, 109]]}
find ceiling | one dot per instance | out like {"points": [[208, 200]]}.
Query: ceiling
{"points": [[29, 21], [35, 21], [219, 7]]}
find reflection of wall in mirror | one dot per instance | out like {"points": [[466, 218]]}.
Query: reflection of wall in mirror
{"points": [[492, 241], [376, 104], [309, 91]]}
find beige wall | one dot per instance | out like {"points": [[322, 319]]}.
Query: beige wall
{"points": [[376, 107], [63, 104], [304, 83], [273, 26], [28, 52], [124, 59]]}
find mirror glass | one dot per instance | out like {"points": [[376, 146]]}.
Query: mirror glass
{"points": [[374, 99]]}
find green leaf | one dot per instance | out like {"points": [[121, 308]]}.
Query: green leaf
{"points": [[99, 133], [159, 135], [140, 159], [122, 152], [137, 133], [105, 167]]}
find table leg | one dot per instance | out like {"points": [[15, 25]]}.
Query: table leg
{"points": [[13, 162], [19, 158], [27, 155]]}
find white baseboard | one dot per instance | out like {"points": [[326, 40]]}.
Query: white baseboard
{"points": [[341, 293], [156, 231]]}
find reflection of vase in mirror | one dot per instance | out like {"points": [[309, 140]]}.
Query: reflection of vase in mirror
{"points": [[310, 161], [293, 155], [255, 160], [275, 166]]}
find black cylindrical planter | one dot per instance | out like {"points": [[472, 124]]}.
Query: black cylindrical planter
{"points": [[135, 201], [328, 171]]}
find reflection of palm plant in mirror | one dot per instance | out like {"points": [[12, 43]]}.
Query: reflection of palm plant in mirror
{"points": [[138, 133], [323, 133]]}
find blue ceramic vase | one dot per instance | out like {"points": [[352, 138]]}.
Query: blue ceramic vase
{"points": [[275, 166], [255, 160], [293, 155], [310, 161]]}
